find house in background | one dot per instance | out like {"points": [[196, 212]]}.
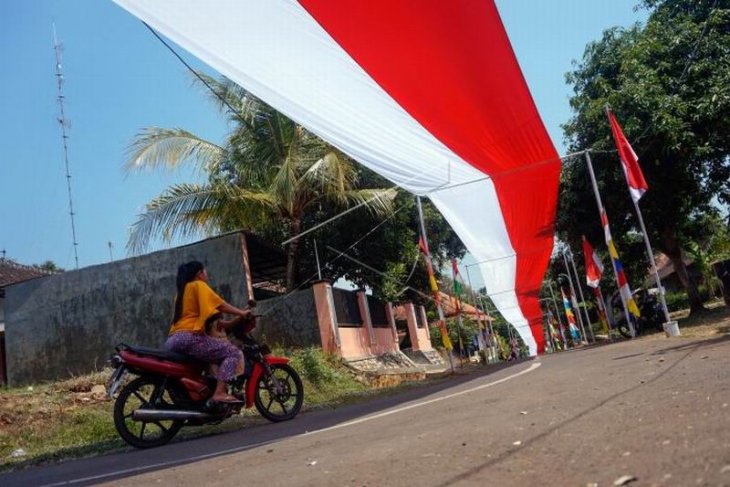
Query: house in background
{"points": [[668, 275], [11, 273]]}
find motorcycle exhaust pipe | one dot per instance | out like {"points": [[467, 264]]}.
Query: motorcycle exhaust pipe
{"points": [[168, 414]]}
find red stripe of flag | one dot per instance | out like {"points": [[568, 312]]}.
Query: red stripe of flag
{"points": [[632, 170]]}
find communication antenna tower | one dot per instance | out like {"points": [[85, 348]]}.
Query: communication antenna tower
{"points": [[64, 125]]}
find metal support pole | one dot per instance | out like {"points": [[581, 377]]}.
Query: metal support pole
{"points": [[609, 319], [557, 312], [491, 329], [650, 254], [550, 335], [582, 297], [601, 211], [316, 256], [572, 291], [439, 308], [476, 305]]}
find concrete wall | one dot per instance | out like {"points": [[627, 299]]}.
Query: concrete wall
{"points": [[68, 323], [289, 320]]}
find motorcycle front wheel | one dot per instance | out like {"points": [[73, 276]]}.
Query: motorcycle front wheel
{"points": [[279, 397], [145, 393]]}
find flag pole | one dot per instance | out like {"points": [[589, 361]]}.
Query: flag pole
{"points": [[609, 319], [582, 297], [623, 145], [492, 344], [557, 312], [601, 211], [476, 305], [650, 254], [439, 308], [584, 339], [458, 315]]}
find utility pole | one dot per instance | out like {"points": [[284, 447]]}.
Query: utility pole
{"points": [[64, 125]]}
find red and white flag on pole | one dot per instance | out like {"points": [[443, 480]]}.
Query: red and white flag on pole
{"points": [[629, 160], [594, 266]]}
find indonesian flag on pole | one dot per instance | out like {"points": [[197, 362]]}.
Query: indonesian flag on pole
{"points": [[629, 160], [594, 266]]}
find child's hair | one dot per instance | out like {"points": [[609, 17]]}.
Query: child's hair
{"points": [[185, 274], [211, 320]]}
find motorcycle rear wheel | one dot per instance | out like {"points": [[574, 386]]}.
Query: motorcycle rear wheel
{"points": [[285, 404], [140, 394]]}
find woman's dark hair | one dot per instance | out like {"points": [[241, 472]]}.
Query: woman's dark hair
{"points": [[185, 274]]}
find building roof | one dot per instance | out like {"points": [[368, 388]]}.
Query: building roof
{"points": [[11, 272], [448, 304], [664, 267]]}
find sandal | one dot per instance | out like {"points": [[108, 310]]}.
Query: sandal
{"points": [[228, 400]]}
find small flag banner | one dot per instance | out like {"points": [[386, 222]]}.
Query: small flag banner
{"points": [[445, 340], [553, 327], [457, 285], [623, 284], [629, 160], [601, 310], [594, 266], [574, 333]]}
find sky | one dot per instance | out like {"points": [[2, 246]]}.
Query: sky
{"points": [[120, 79]]}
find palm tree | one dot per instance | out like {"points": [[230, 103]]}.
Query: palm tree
{"points": [[270, 172]]}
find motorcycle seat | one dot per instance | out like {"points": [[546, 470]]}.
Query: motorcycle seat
{"points": [[163, 354]]}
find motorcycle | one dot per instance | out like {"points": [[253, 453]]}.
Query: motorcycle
{"points": [[173, 390], [652, 316]]}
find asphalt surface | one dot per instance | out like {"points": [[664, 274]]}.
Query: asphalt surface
{"points": [[655, 409]]}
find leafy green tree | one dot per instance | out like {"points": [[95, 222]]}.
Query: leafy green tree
{"points": [[667, 84], [49, 266], [270, 175]]}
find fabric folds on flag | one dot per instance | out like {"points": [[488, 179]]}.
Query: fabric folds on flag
{"points": [[623, 283], [629, 160], [353, 73], [594, 266]]}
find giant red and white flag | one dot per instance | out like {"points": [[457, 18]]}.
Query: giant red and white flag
{"points": [[629, 160], [428, 93], [594, 266]]}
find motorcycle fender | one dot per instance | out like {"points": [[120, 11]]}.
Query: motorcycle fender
{"points": [[253, 380]]}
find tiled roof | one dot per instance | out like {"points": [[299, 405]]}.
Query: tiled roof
{"points": [[12, 272], [448, 303]]}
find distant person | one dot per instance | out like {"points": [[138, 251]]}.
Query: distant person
{"points": [[195, 303]]}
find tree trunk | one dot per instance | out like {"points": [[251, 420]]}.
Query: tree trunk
{"points": [[722, 269], [292, 257], [674, 252]]}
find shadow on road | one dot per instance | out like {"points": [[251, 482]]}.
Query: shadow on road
{"points": [[690, 347], [694, 344]]}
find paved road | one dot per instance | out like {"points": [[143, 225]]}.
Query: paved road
{"points": [[654, 408]]}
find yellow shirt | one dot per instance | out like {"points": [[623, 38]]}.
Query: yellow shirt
{"points": [[199, 303]]}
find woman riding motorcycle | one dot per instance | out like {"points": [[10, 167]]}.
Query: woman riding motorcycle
{"points": [[195, 303]]}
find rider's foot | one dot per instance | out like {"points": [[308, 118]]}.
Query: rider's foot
{"points": [[227, 398]]}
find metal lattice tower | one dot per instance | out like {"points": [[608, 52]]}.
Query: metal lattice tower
{"points": [[64, 125]]}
